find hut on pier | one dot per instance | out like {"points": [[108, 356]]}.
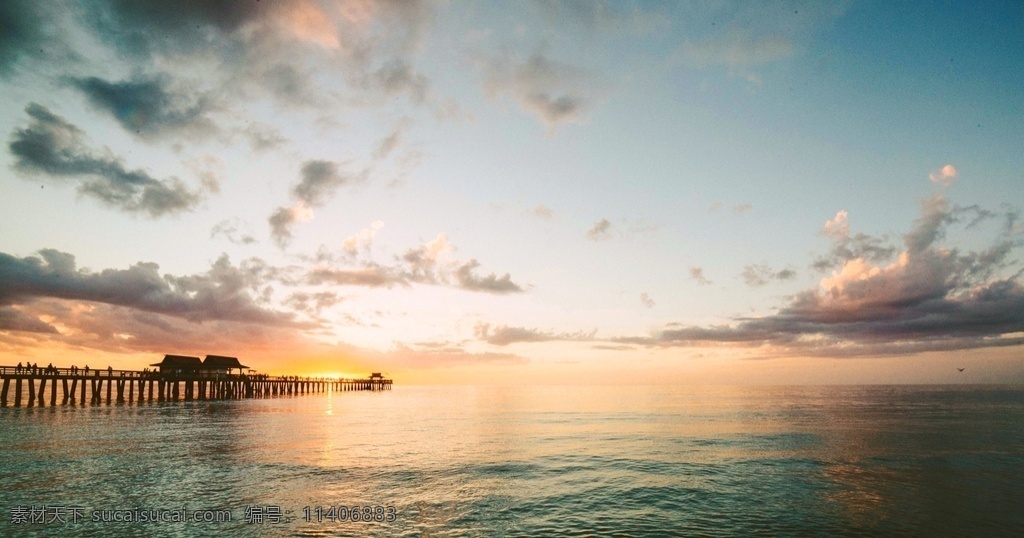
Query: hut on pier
{"points": [[179, 365], [219, 365]]}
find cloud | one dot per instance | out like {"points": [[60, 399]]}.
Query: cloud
{"points": [[24, 34], [429, 356], [320, 180], [146, 27], [944, 176], [838, 227], [282, 219], [432, 263], [553, 109], [846, 247], [931, 225], [361, 242], [280, 49], [148, 107], [222, 293], [371, 276], [13, 319], [600, 231], [737, 209], [503, 335], [930, 298], [759, 275], [123, 329], [734, 50], [388, 144], [697, 274], [51, 145], [742, 37], [603, 16], [229, 229], [427, 263], [646, 300], [396, 77], [312, 302], [542, 211], [263, 137], [553, 91], [491, 283]]}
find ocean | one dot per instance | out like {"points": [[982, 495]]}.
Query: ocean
{"points": [[525, 461]]}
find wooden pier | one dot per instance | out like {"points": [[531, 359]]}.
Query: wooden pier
{"points": [[37, 386]]}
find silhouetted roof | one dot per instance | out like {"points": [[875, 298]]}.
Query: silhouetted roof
{"points": [[219, 362], [180, 361]]}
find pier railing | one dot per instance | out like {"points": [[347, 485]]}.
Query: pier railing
{"points": [[125, 386]]}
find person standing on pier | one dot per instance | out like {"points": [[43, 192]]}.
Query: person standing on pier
{"points": [[86, 369]]}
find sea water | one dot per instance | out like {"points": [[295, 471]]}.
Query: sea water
{"points": [[525, 461]]}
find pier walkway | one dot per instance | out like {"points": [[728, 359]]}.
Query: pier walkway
{"points": [[76, 385]]}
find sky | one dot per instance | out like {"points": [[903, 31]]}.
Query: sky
{"points": [[552, 192]]}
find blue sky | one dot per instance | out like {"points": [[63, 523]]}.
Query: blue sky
{"points": [[489, 192]]}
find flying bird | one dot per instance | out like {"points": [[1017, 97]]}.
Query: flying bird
{"points": [[960, 369]]}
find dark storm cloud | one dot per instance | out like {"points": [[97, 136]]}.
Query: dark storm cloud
{"points": [[51, 145], [222, 293], [147, 106]]}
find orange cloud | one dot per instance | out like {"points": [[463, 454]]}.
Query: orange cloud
{"points": [[944, 176], [308, 22]]}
